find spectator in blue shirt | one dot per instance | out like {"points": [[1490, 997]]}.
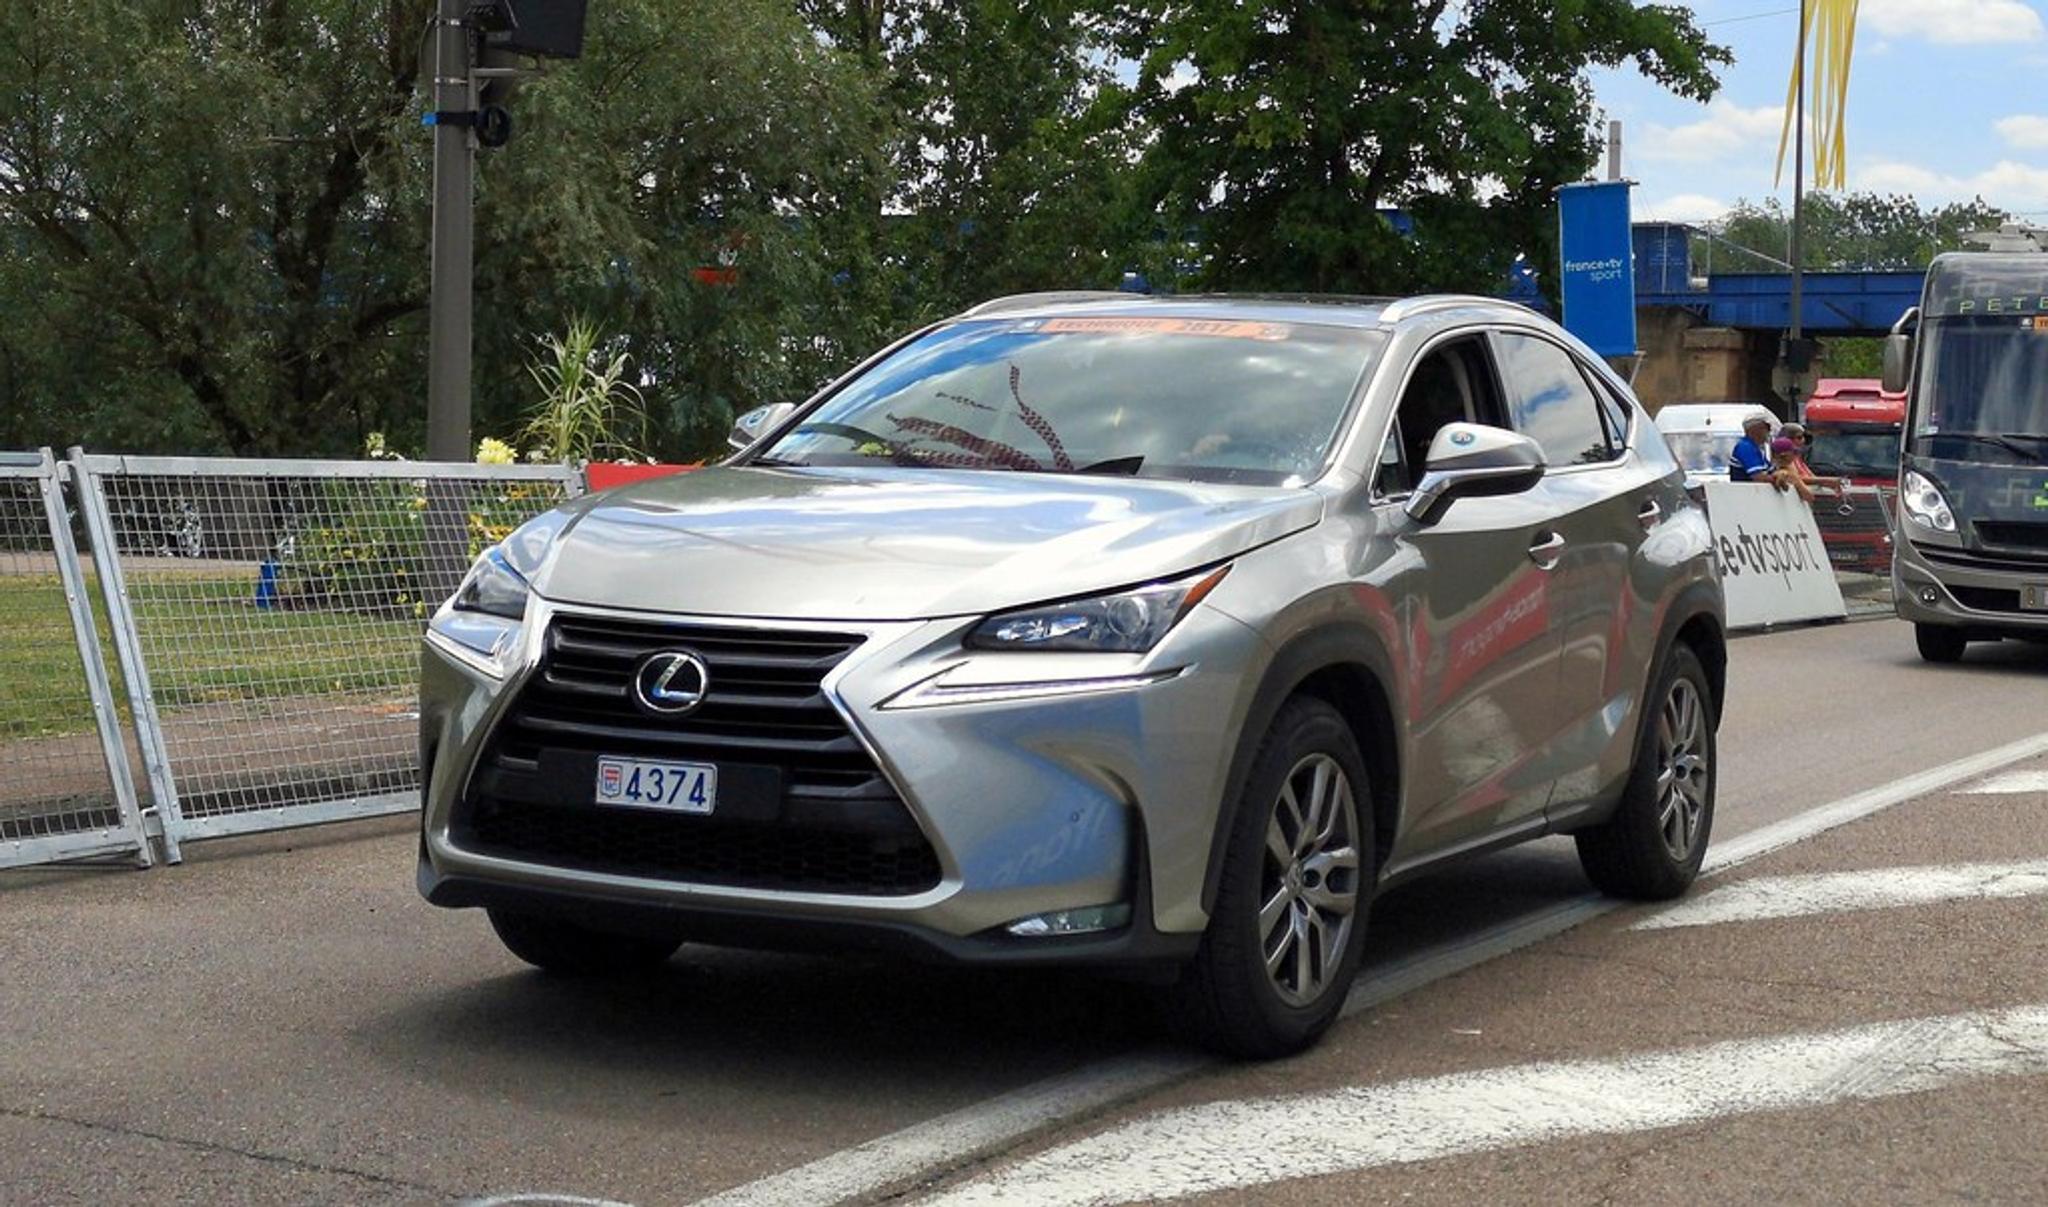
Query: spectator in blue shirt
{"points": [[1747, 461]]}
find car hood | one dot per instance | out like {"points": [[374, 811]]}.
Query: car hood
{"points": [[897, 544]]}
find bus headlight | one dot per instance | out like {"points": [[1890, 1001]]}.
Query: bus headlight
{"points": [[1924, 504]]}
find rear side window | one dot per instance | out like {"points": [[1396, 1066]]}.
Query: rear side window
{"points": [[1615, 411], [1550, 402]]}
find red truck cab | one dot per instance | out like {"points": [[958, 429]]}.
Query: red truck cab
{"points": [[1855, 427]]}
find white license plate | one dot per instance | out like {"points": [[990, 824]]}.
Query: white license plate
{"points": [[648, 784], [2034, 597]]}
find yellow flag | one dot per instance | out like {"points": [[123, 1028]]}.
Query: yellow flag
{"points": [[1831, 44]]}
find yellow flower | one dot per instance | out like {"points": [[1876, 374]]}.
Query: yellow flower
{"points": [[495, 452]]}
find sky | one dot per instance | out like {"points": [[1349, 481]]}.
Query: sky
{"points": [[1946, 102]]}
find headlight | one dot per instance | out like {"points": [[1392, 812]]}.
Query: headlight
{"points": [[480, 623], [493, 587], [1924, 504], [1128, 622]]}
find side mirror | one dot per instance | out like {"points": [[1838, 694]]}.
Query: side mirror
{"points": [[757, 423], [1898, 361], [1898, 352], [1470, 461]]}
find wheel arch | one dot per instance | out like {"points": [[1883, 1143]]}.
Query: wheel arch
{"points": [[1695, 620], [1347, 666]]}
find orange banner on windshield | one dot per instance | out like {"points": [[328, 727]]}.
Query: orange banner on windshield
{"points": [[1219, 328]]}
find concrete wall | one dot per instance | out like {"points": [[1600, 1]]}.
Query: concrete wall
{"points": [[1686, 361]]}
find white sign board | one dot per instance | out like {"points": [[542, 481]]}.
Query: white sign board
{"points": [[1773, 566]]}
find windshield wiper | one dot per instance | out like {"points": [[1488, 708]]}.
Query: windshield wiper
{"points": [[2004, 442], [1126, 466], [780, 462]]}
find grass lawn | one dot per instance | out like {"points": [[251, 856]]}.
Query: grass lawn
{"points": [[42, 683], [204, 642]]}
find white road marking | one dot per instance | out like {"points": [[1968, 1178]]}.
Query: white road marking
{"points": [[2010, 782], [1843, 892], [973, 1132], [539, 1199], [1225, 1145], [1852, 808], [964, 1134]]}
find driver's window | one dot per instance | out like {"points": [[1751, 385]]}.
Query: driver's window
{"points": [[1453, 382]]}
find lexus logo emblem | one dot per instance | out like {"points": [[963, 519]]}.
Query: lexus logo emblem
{"points": [[671, 683]]}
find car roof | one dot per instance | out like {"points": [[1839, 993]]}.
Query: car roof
{"points": [[1708, 416], [1328, 309]]}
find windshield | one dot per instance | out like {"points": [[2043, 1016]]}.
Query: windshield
{"points": [[1868, 453], [1702, 452], [1983, 379], [1204, 399]]}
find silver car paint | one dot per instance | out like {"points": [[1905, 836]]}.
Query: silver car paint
{"points": [[893, 544], [1515, 691]]}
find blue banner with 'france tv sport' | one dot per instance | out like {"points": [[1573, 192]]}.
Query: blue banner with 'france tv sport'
{"points": [[1599, 282]]}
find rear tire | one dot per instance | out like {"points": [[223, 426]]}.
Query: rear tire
{"points": [[1939, 643], [571, 949], [1651, 848], [1284, 939]]}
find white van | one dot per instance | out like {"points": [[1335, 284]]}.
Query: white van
{"points": [[1703, 434]]}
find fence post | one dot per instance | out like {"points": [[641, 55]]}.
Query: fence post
{"points": [[141, 701], [107, 717]]}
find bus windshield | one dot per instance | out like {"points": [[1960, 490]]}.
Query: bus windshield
{"points": [[1983, 392]]}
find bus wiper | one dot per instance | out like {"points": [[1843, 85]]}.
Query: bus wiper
{"points": [[2008, 443]]}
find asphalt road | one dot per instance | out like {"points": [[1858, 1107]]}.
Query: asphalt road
{"points": [[282, 1020]]}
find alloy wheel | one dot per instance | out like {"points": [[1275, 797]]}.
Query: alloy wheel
{"points": [[1308, 886], [1684, 775]]}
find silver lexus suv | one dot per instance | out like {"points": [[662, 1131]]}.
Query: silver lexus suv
{"points": [[1153, 634]]}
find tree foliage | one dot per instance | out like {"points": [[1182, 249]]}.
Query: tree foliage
{"points": [[1279, 128], [1847, 232], [214, 213]]}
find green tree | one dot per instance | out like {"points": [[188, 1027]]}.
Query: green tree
{"points": [[1278, 129], [221, 215], [1846, 232], [207, 197], [1005, 175]]}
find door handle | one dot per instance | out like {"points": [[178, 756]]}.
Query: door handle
{"points": [[1546, 549], [1649, 513]]}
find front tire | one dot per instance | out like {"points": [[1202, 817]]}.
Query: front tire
{"points": [[1939, 643], [570, 949], [1284, 940], [1651, 848]]}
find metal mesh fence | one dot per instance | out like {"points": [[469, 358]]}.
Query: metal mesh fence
{"points": [[63, 791], [276, 610], [1857, 532]]}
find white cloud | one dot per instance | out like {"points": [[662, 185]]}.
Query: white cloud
{"points": [[1955, 22], [1727, 130], [1685, 207], [2024, 130], [2006, 184]]}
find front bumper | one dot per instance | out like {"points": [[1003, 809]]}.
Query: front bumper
{"points": [[1954, 587], [1030, 805]]}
